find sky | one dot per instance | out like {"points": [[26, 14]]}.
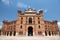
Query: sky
{"points": [[9, 8]]}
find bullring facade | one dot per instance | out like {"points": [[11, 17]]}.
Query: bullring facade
{"points": [[30, 23]]}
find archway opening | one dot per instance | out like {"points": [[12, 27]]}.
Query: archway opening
{"points": [[7, 33], [49, 33], [10, 33], [30, 31], [14, 33], [45, 33]]}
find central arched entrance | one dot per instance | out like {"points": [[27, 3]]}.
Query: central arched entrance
{"points": [[30, 31]]}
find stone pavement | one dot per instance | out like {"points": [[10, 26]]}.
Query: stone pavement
{"points": [[29, 37]]}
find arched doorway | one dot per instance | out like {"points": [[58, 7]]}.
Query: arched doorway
{"points": [[30, 31], [49, 33], [45, 33], [7, 33], [10, 33], [14, 33]]}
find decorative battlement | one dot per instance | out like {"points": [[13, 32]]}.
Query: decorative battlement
{"points": [[30, 11]]}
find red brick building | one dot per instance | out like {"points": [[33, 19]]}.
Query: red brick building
{"points": [[30, 23]]}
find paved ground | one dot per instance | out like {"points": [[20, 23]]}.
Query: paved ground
{"points": [[29, 38]]}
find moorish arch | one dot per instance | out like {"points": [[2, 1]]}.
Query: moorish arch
{"points": [[30, 31], [14, 33], [10, 33]]}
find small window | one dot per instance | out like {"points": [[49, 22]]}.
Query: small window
{"points": [[21, 26], [38, 22], [38, 18], [30, 20], [39, 26], [21, 20]]}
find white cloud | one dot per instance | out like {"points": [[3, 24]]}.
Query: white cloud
{"points": [[45, 10], [18, 4], [7, 2], [22, 5]]}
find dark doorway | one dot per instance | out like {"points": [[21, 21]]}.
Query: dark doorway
{"points": [[49, 33], [14, 33], [11, 33], [45, 33], [7, 33], [30, 31]]}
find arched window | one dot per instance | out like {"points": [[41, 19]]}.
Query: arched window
{"points": [[30, 20], [39, 26], [21, 20], [21, 26], [38, 20]]}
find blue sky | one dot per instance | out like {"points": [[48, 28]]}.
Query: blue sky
{"points": [[8, 9]]}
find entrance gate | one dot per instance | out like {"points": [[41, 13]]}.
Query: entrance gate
{"points": [[30, 31]]}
